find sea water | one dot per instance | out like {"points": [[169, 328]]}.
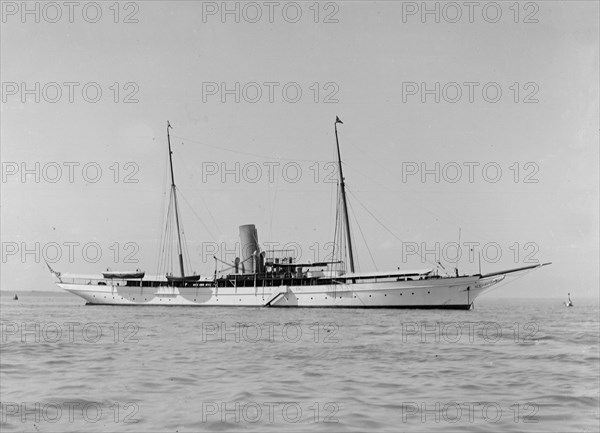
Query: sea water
{"points": [[510, 365]]}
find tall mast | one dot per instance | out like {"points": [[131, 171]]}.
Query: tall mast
{"points": [[174, 192], [343, 188]]}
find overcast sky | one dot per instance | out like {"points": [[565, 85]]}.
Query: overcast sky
{"points": [[498, 103]]}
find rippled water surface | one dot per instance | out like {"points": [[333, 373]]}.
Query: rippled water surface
{"points": [[507, 365]]}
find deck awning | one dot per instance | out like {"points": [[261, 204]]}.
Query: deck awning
{"points": [[384, 274]]}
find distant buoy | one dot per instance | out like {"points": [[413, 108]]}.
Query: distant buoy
{"points": [[15, 298], [569, 303]]}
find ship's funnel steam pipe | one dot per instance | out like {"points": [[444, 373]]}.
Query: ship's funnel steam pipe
{"points": [[250, 249]]}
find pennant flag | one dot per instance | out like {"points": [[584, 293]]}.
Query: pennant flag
{"points": [[337, 120]]}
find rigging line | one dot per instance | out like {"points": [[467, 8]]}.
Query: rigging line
{"points": [[226, 263], [184, 250], [223, 261], [161, 245], [385, 170], [340, 235], [219, 271], [368, 156], [453, 221], [419, 203], [232, 266], [385, 227], [335, 231], [191, 176], [162, 251], [248, 153], [332, 190], [196, 215], [169, 246], [340, 239], [164, 219], [363, 235], [188, 261], [164, 233], [513, 279], [184, 247], [180, 225], [166, 245], [386, 188], [207, 207], [348, 247], [173, 249]]}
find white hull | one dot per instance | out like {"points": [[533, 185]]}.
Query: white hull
{"points": [[459, 292]]}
